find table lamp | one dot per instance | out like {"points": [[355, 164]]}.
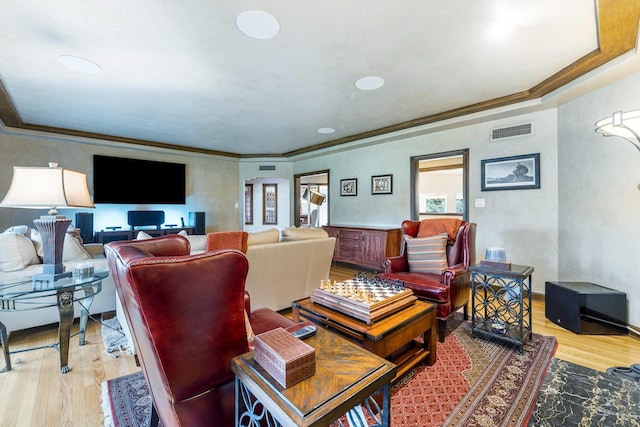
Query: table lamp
{"points": [[50, 188]]}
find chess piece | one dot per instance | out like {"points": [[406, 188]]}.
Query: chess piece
{"points": [[322, 284]]}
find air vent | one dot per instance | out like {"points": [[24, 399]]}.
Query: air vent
{"points": [[509, 132], [268, 167]]}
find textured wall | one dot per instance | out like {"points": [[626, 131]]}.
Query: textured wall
{"points": [[212, 184], [599, 198], [524, 222]]}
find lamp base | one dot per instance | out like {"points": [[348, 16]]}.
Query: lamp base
{"points": [[46, 280]]}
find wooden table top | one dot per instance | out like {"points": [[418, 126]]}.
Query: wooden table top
{"points": [[346, 375]]}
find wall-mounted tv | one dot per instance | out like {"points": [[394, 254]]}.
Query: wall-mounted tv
{"points": [[134, 181]]}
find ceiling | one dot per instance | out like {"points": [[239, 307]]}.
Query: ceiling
{"points": [[181, 74]]}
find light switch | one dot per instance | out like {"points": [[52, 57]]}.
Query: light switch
{"points": [[479, 203]]}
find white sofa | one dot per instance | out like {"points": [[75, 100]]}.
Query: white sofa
{"points": [[283, 267], [20, 257]]}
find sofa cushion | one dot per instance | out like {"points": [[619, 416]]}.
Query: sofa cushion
{"points": [[262, 237], [427, 254], [197, 242], [303, 233], [16, 252], [143, 236]]}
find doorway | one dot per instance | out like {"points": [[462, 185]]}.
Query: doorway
{"points": [[311, 199], [440, 183]]}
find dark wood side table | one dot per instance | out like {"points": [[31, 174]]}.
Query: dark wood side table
{"points": [[391, 337], [346, 376], [26, 294], [501, 303]]}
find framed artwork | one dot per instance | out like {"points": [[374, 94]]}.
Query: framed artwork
{"points": [[248, 203], [349, 187], [511, 173], [382, 184]]}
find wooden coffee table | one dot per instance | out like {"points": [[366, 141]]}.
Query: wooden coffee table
{"points": [[391, 337]]}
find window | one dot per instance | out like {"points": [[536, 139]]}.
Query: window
{"points": [[248, 203], [269, 203]]}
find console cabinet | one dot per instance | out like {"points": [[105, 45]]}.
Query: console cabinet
{"points": [[365, 247], [112, 236]]}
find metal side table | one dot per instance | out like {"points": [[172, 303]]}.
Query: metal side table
{"points": [[501, 303]]}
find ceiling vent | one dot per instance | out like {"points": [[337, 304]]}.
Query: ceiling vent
{"points": [[267, 167], [510, 132]]}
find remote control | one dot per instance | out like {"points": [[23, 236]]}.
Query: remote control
{"points": [[305, 332]]}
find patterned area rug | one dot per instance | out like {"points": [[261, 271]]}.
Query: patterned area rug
{"points": [[475, 382], [574, 395]]}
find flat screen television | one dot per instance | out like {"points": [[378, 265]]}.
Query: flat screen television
{"points": [[134, 181]]}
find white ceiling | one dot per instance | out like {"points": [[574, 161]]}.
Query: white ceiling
{"points": [[180, 72]]}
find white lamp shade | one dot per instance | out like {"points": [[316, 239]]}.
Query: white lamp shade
{"points": [[52, 187]]}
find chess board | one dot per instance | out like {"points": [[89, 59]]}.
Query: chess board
{"points": [[363, 300]]}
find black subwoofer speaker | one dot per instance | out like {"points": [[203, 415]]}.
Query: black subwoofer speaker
{"points": [[196, 220], [84, 221], [586, 308]]}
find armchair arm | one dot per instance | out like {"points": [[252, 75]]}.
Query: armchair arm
{"points": [[395, 264], [451, 273]]}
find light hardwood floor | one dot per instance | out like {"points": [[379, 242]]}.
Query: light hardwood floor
{"points": [[35, 393]]}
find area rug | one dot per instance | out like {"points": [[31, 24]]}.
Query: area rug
{"points": [[574, 395], [475, 382], [113, 336]]}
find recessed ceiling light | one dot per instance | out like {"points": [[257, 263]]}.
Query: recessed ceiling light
{"points": [[326, 130], [370, 83], [81, 65], [258, 24]]}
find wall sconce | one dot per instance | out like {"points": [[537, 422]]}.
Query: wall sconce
{"points": [[49, 188], [625, 125]]}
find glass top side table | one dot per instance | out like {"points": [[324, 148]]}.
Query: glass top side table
{"points": [[28, 294]]}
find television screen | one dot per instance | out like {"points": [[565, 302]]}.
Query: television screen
{"points": [[133, 181]]}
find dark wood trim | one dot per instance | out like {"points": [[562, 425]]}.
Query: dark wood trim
{"points": [[617, 34]]}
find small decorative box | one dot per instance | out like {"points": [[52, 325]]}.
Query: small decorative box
{"points": [[287, 359]]}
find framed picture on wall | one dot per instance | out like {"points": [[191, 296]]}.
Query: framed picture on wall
{"points": [[349, 187], [511, 173], [382, 184]]}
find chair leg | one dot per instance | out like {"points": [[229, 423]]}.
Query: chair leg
{"points": [[155, 420], [442, 328], [465, 312]]}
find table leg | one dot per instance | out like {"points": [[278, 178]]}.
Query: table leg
{"points": [[65, 310], [4, 341], [430, 344], [84, 313]]}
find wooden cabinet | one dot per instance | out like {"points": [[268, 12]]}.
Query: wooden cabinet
{"points": [[112, 236], [366, 247]]}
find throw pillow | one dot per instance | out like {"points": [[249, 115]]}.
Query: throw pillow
{"points": [[303, 233], [427, 254], [433, 227], [72, 250], [16, 252], [143, 236], [261, 237]]}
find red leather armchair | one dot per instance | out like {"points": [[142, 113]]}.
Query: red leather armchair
{"points": [[186, 314], [451, 289]]}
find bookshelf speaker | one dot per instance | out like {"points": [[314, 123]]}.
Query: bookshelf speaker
{"points": [[84, 221], [196, 220]]}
